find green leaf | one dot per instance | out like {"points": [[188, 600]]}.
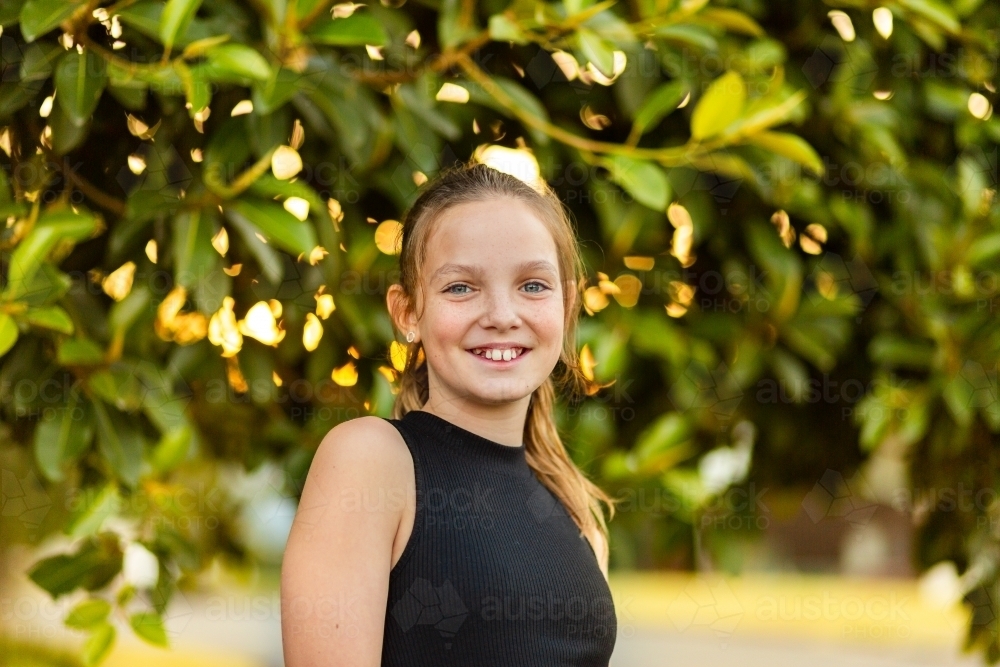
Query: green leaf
{"points": [[172, 449], [39, 59], [8, 333], [149, 626], [658, 104], [125, 313], [721, 104], [643, 180], [732, 20], [40, 16], [200, 47], [663, 439], [63, 435], [80, 79], [227, 150], [791, 146], [79, 352], [668, 430], [452, 27], [120, 444], [268, 258], [280, 87], [503, 29], [197, 86], [50, 317], [688, 35], [194, 256], [686, 485], [936, 12], [240, 60], [893, 350], [29, 253], [766, 112], [88, 613], [958, 397], [98, 644], [10, 12], [277, 224], [983, 250], [597, 50], [358, 29], [175, 19], [95, 563], [146, 17], [96, 507], [66, 134]]}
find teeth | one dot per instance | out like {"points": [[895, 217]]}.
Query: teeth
{"points": [[497, 355]]}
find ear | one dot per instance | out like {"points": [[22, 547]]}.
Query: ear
{"points": [[396, 302]]}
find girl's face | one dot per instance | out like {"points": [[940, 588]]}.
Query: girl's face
{"points": [[491, 289]]}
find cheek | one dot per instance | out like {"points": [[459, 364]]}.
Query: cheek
{"points": [[548, 326], [447, 325]]}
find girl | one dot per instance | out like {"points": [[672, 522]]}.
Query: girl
{"points": [[460, 532]]}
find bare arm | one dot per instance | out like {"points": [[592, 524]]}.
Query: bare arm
{"points": [[335, 572]]}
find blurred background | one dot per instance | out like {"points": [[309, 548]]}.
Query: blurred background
{"points": [[788, 214]]}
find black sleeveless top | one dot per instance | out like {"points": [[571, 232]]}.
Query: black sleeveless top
{"points": [[495, 572]]}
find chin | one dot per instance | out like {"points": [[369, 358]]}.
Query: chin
{"points": [[499, 395]]}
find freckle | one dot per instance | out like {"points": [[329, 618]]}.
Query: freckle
{"points": [[338, 625]]}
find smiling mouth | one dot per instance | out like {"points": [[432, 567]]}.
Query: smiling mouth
{"points": [[499, 356]]}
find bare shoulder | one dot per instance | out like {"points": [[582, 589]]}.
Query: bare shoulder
{"points": [[365, 441], [361, 456]]}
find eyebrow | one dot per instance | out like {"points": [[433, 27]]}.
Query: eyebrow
{"points": [[536, 265]]}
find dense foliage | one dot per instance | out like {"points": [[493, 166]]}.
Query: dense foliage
{"points": [[788, 210]]}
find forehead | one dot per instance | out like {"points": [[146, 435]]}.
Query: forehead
{"points": [[492, 234]]}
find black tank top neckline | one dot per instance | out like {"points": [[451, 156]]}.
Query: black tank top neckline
{"points": [[454, 435]]}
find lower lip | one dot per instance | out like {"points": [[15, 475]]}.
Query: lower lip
{"points": [[500, 362]]}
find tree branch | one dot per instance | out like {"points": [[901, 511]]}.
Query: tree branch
{"points": [[92, 192]]}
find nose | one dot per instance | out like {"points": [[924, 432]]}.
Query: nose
{"points": [[501, 311]]}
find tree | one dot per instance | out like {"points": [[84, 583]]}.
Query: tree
{"points": [[192, 188]]}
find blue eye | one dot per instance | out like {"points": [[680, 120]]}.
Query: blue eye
{"points": [[540, 284], [452, 287]]}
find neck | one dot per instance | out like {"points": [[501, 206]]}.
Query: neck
{"points": [[500, 423]]}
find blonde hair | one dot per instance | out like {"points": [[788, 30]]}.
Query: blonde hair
{"points": [[544, 449]]}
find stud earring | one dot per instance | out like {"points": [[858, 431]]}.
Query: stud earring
{"points": [[410, 336]]}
